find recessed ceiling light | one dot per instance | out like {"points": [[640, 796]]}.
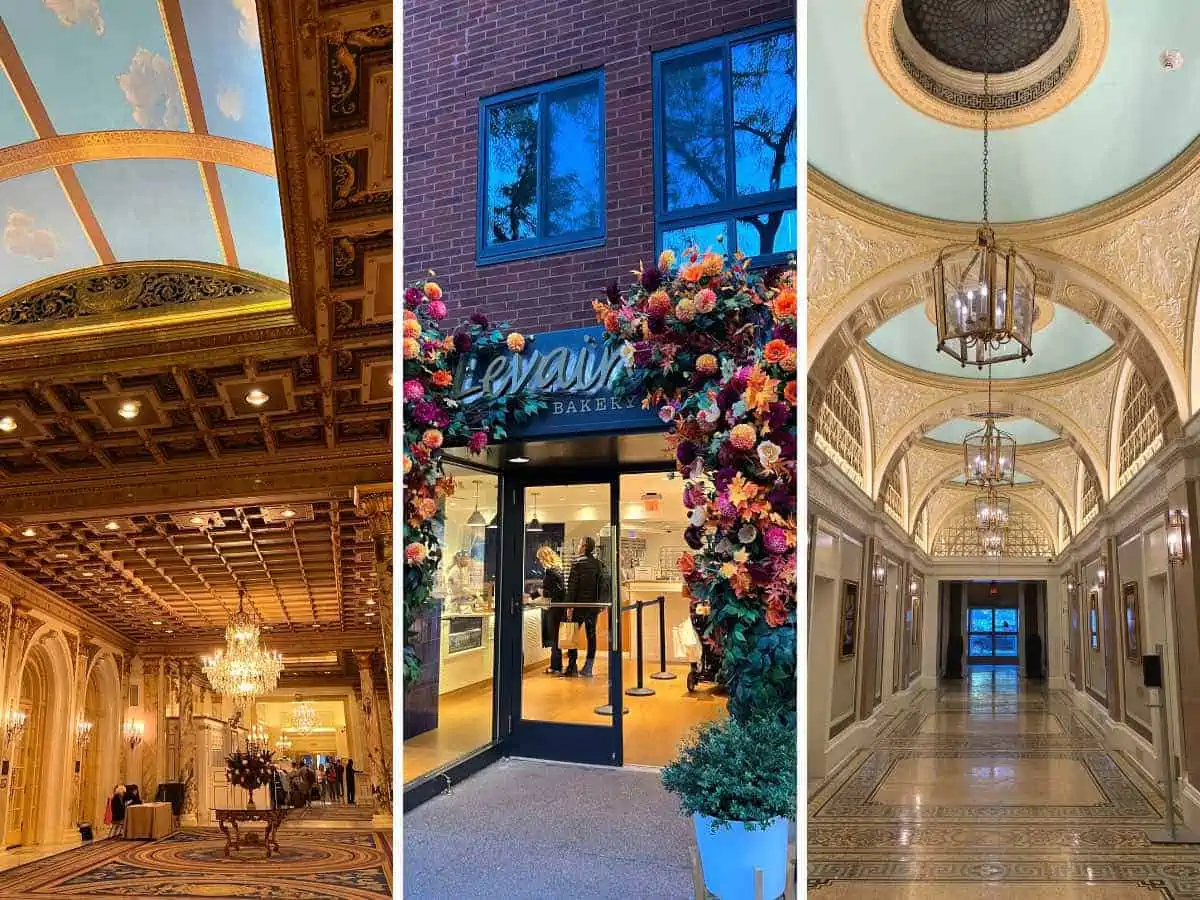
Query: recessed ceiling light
{"points": [[197, 520], [370, 603], [86, 573], [112, 525], [327, 673], [60, 556], [288, 513], [316, 625], [1171, 60], [170, 631], [156, 622], [8, 423], [128, 602], [29, 532], [129, 409], [518, 459], [257, 397]]}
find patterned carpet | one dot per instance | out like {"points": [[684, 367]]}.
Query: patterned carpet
{"points": [[311, 865]]}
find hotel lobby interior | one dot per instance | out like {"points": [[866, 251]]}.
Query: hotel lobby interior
{"points": [[195, 443], [1002, 698]]}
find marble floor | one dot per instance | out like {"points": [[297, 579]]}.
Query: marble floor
{"points": [[991, 787]]}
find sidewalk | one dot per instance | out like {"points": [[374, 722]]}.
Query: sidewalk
{"points": [[524, 829]]}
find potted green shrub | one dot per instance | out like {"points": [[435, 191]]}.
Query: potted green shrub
{"points": [[737, 781]]}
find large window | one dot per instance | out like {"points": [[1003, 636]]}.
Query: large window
{"points": [[725, 144], [992, 632], [541, 169]]}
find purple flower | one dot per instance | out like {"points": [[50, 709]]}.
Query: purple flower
{"points": [[413, 297], [613, 291], [424, 412], [780, 414], [785, 332], [692, 496], [780, 499], [479, 440], [728, 454], [656, 324], [694, 537], [723, 476], [760, 573], [413, 390], [776, 540], [479, 319], [642, 354], [651, 278], [462, 341], [686, 453], [727, 396]]}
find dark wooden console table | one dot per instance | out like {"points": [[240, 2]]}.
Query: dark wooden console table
{"points": [[234, 840]]}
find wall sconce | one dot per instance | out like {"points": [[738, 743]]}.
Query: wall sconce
{"points": [[1176, 526], [134, 731], [1071, 583], [83, 734], [913, 587], [14, 725], [880, 570], [1102, 572]]}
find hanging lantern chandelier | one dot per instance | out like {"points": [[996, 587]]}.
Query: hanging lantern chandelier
{"points": [[991, 510], [989, 454], [244, 670], [992, 542], [984, 294]]}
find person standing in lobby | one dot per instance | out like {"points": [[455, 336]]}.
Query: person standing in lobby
{"points": [[339, 783], [350, 773], [555, 593], [585, 586]]}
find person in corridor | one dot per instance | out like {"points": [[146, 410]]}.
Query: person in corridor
{"points": [[585, 586]]}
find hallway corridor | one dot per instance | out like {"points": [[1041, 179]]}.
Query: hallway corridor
{"points": [[992, 788]]}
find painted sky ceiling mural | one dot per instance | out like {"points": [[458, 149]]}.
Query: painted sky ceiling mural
{"points": [[134, 130]]}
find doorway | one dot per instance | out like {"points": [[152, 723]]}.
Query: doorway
{"points": [[992, 635]]}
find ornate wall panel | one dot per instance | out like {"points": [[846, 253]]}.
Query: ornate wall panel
{"points": [[1087, 402]]}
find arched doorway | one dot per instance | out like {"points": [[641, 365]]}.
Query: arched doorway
{"points": [[99, 758], [27, 751]]}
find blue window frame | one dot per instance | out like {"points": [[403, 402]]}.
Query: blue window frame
{"points": [[725, 144], [541, 169], [992, 631]]}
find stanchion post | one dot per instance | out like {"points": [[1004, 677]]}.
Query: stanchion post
{"points": [[641, 690], [662, 674], [607, 708]]}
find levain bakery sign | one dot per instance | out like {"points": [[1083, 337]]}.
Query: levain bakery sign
{"points": [[574, 371]]}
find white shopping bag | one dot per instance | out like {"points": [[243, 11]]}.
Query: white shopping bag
{"points": [[686, 641]]}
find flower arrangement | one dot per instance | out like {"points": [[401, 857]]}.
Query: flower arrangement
{"points": [[434, 419], [713, 346], [249, 769]]}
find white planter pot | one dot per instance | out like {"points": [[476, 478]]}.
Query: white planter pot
{"points": [[730, 857]]}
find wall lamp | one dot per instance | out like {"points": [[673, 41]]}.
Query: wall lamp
{"points": [[1071, 583], [1176, 536], [880, 570], [134, 731], [14, 725], [83, 734], [1102, 572]]}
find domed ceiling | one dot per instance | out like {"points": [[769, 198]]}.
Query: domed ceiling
{"points": [[1109, 219], [875, 126], [134, 130]]}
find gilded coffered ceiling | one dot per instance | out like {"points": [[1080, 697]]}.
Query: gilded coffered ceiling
{"points": [[192, 395], [1113, 368]]}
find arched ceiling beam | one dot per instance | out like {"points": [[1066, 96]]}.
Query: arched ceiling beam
{"points": [[966, 404], [94, 146], [1051, 529]]}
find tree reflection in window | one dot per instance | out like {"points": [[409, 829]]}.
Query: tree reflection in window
{"points": [[992, 632], [727, 128], [542, 167]]}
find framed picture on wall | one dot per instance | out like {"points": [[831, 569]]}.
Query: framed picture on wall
{"points": [[848, 620], [1133, 621], [1093, 622]]}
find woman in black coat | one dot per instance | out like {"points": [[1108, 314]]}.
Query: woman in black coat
{"points": [[350, 773], [589, 585], [117, 806], [555, 592]]}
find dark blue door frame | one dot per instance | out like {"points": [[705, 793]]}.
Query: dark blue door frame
{"points": [[598, 744]]}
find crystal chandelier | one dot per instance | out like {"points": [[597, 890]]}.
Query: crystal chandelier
{"points": [[304, 717], [991, 511], [984, 293], [244, 669], [992, 542]]}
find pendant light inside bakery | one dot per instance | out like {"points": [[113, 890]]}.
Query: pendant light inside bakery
{"points": [[534, 525], [477, 520]]}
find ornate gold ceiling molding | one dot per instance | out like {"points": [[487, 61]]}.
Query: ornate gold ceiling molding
{"points": [[21, 590], [90, 303], [94, 146], [1089, 21], [958, 500]]}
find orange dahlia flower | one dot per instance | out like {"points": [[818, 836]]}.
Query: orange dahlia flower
{"points": [[776, 351]]}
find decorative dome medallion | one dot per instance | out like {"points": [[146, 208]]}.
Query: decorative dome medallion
{"points": [[951, 31], [1041, 54]]}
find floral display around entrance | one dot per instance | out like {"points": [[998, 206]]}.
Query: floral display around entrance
{"points": [[249, 769], [713, 346], [435, 419]]}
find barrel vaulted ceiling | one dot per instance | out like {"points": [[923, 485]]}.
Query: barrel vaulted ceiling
{"points": [[1114, 365], [131, 131]]}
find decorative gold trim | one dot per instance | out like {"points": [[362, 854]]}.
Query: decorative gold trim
{"points": [[94, 146], [1092, 16], [268, 296]]}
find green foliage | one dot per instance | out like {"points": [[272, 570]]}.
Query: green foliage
{"points": [[737, 771]]}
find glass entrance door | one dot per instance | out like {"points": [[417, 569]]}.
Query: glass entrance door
{"points": [[992, 635], [563, 631]]}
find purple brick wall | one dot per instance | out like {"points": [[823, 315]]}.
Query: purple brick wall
{"points": [[457, 52]]}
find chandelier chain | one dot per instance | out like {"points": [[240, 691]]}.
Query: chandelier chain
{"points": [[987, 106]]}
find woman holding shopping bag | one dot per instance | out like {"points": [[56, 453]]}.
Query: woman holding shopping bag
{"points": [[555, 592]]}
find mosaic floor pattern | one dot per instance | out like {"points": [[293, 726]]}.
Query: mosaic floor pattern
{"points": [[991, 788], [310, 865]]}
